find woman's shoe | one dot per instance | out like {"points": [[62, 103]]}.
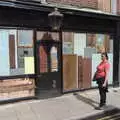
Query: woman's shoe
{"points": [[101, 107]]}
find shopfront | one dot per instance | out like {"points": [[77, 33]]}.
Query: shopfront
{"points": [[35, 58], [81, 55]]}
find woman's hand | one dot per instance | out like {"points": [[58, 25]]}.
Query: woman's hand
{"points": [[104, 85], [106, 76]]}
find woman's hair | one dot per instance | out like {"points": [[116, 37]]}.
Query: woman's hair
{"points": [[106, 55]]}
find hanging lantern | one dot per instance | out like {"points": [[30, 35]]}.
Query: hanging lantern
{"points": [[55, 19]]}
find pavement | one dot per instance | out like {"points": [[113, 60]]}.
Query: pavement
{"points": [[72, 106]]}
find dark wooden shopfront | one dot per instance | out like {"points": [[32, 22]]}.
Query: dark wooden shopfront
{"points": [[35, 17]]}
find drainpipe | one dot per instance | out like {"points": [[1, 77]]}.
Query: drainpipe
{"points": [[116, 47], [119, 68]]}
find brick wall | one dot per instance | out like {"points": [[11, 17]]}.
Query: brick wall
{"points": [[118, 6], [104, 5], [82, 3]]}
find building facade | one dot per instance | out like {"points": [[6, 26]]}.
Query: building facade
{"points": [[36, 60]]}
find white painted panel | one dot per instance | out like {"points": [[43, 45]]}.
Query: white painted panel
{"points": [[79, 43], [4, 53]]}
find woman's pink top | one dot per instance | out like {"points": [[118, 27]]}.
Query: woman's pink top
{"points": [[102, 68]]}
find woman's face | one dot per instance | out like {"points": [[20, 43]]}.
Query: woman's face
{"points": [[103, 57]]}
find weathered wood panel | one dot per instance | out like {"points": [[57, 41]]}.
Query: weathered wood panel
{"points": [[17, 88], [84, 72], [87, 68], [70, 72]]}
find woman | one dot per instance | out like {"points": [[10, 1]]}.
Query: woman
{"points": [[101, 76]]}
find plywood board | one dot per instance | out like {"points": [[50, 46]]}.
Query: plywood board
{"points": [[70, 72], [87, 68]]}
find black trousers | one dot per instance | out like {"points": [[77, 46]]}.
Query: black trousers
{"points": [[102, 91]]}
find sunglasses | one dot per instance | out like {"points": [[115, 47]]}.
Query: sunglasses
{"points": [[102, 56]]}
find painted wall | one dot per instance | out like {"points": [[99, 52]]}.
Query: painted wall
{"points": [[114, 6]]}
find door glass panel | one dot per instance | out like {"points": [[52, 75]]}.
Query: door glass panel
{"points": [[48, 44], [54, 59], [43, 59]]}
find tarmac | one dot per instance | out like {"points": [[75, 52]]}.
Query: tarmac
{"points": [[72, 106]]}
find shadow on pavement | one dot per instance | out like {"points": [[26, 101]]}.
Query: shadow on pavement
{"points": [[86, 100], [45, 94], [110, 114]]}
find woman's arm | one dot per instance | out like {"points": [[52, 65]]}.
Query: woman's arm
{"points": [[107, 67]]}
